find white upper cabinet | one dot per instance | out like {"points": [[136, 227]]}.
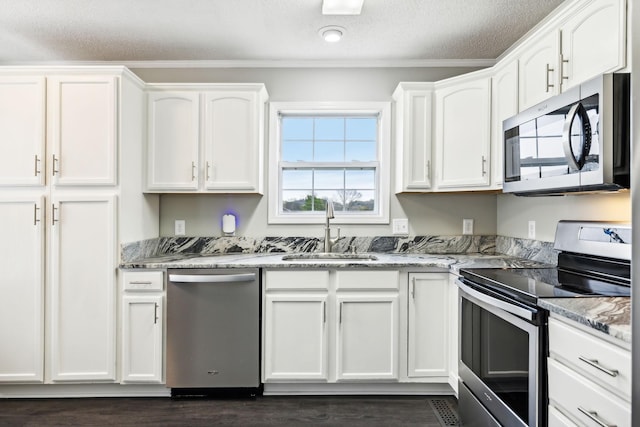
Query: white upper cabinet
{"points": [[538, 70], [206, 138], [593, 41], [22, 130], [462, 134], [504, 104], [82, 125], [233, 141], [174, 129], [413, 134]]}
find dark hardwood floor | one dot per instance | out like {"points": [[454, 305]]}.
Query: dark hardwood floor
{"points": [[370, 411]]}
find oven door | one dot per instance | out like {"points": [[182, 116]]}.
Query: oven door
{"points": [[500, 360]]}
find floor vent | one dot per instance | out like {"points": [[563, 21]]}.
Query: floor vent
{"points": [[445, 412]]}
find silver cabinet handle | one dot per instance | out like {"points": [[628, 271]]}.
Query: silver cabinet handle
{"points": [[413, 287], [340, 314], [56, 166], [484, 165], [593, 416], [140, 282], [155, 314], [594, 363], [549, 84], [212, 278], [36, 218], [36, 166], [562, 76], [324, 312], [207, 170], [53, 214], [193, 171]]}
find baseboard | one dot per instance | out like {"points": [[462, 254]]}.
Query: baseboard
{"points": [[37, 391], [309, 389]]}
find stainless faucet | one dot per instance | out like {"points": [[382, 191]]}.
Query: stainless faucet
{"points": [[328, 241]]}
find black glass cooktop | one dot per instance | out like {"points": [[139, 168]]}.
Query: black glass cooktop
{"points": [[530, 284]]}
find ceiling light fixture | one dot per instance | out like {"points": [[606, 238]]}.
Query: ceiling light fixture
{"points": [[331, 34], [342, 7]]}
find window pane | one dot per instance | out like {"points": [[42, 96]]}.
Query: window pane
{"points": [[361, 151], [329, 179], [333, 195], [297, 128], [293, 179], [329, 128], [362, 179], [359, 201], [326, 151], [300, 201], [362, 128], [297, 151]]}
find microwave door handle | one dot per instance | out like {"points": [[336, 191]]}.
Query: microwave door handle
{"points": [[576, 111]]}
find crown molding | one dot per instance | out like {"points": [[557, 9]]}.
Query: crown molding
{"points": [[374, 63]]}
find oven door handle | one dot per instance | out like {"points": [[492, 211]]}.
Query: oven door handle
{"points": [[494, 302]]}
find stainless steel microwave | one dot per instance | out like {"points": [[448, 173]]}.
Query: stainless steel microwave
{"points": [[578, 141]]}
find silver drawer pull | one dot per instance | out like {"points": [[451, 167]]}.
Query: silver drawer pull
{"points": [[140, 282], [593, 416], [595, 364]]}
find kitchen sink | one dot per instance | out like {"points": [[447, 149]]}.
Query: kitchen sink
{"points": [[326, 256]]}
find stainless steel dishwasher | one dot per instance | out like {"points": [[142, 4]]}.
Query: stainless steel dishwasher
{"points": [[213, 331]]}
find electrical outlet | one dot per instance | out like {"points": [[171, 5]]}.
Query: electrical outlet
{"points": [[532, 230], [180, 227], [467, 226], [401, 226]]}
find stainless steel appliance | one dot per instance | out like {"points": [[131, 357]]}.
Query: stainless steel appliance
{"points": [[577, 141], [213, 331], [503, 330]]}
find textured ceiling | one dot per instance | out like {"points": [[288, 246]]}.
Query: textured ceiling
{"points": [[260, 30]]}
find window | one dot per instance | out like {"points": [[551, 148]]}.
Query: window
{"points": [[337, 152]]}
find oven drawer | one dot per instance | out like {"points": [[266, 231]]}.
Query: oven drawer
{"points": [[584, 400], [592, 357]]}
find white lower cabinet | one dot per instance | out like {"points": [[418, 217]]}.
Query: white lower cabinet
{"points": [[141, 338], [367, 337], [82, 318], [589, 377], [330, 325], [429, 332], [22, 290]]}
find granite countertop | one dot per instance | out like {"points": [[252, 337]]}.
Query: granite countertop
{"points": [[449, 262], [611, 315]]}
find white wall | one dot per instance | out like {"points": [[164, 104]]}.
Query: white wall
{"points": [[514, 212], [439, 214]]}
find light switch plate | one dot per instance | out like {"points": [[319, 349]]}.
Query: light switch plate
{"points": [[180, 227], [401, 226], [467, 226], [532, 230]]}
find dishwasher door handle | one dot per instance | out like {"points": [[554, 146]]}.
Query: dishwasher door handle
{"points": [[212, 278]]}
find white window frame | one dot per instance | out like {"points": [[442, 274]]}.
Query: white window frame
{"points": [[381, 109]]}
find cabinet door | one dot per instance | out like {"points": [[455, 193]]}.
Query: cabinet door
{"points": [[504, 104], [367, 337], [538, 74], [295, 337], [593, 41], [173, 140], [413, 137], [463, 116], [21, 290], [82, 284], [429, 325], [82, 124], [22, 130], [142, 338], [233, 149]]}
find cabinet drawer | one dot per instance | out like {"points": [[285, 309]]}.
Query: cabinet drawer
{"points": [[307, 279], [574, 394], [142, 281], [367, 279], [586, 352], [557, 419]]}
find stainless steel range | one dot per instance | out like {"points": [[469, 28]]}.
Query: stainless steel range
{"points": [[503, 331]]}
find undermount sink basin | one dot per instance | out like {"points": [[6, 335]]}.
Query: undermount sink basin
{"points": [[324, 256]]}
